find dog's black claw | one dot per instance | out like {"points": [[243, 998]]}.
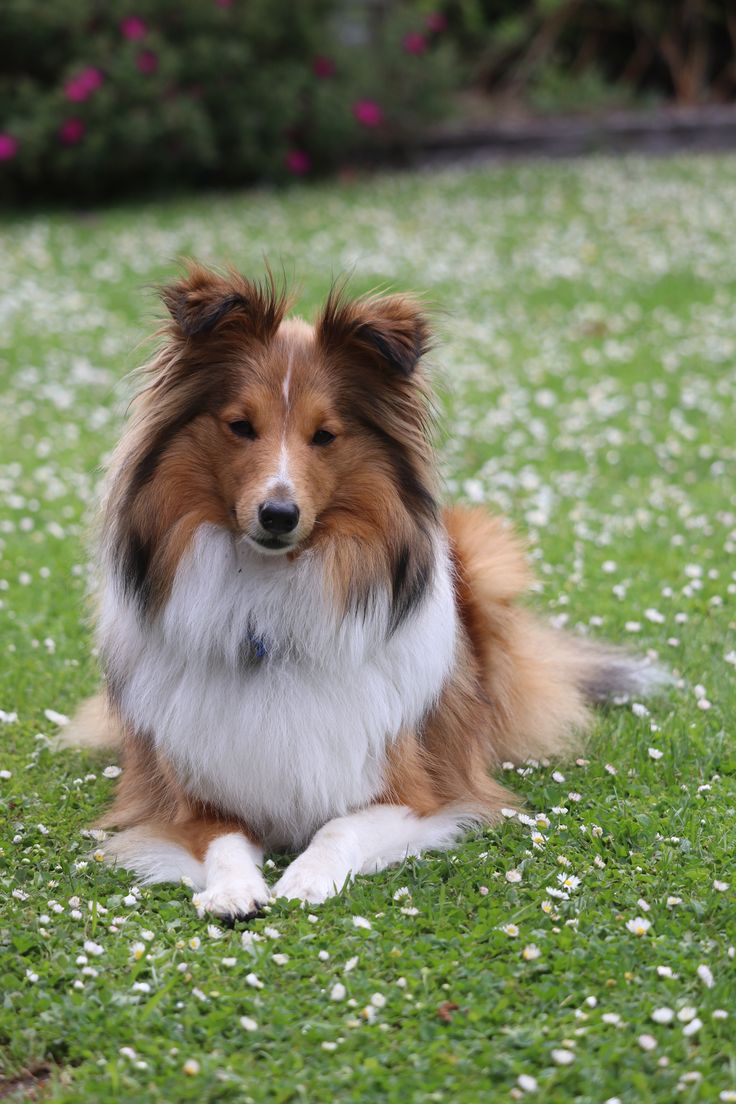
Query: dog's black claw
{"points": [[241, 917]]}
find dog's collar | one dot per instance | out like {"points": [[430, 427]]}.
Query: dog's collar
{"points": [[255, 647]]}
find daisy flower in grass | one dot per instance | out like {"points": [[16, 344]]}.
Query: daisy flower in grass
{"points": [[569, 881]]}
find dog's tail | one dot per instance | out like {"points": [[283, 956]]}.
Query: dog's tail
{"points": [[540, 680], [605, 673], [93, 726]]}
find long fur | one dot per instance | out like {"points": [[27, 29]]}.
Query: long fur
{"points": [[276, 686]]}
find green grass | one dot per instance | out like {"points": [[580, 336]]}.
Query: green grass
{"points": [[588, 325]]}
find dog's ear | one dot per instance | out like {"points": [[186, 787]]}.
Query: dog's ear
{"points": [[203, 301], [392, 331]]}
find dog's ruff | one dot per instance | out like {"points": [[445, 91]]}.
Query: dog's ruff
{"points": [[327, 698]]}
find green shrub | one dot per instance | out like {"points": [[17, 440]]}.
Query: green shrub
{"points": [[100, 97]]}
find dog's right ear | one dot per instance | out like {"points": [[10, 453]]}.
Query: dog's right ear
{"points": [[203, 302]]}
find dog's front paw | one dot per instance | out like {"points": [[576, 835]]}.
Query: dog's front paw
{"points": [[231, 901], [308, 879]]}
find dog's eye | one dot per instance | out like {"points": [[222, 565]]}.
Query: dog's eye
{"points": [[243, 429], [323, 437]]}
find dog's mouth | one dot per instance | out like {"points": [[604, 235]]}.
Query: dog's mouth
{"points": [[270, 543], [273, 544]]}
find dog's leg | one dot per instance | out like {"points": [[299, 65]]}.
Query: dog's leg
{"points": [[218, 860], [363, 843], [234, 885]]}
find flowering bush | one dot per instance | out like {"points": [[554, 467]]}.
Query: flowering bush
{"points": [[98, 97]]}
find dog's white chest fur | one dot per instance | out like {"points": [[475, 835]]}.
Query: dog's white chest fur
{"points": [[267, 704]]}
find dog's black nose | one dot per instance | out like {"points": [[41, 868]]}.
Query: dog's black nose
{"points": [[278, 517]]}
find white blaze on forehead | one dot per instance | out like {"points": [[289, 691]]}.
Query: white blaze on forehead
{"points": [[282, 477], [298, 337], [292, 328], [287, 379]]}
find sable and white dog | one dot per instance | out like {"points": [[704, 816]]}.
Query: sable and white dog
{"points": [[302, 651]]}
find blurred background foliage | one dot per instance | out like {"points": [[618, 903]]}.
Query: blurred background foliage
{"points": [[580, 53], [100, 97], [104, 97]]}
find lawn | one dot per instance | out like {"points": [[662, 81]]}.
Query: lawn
{"points": [[587, 316]]}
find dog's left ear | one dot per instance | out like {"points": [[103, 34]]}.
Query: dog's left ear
{"points": [[391, 330]]}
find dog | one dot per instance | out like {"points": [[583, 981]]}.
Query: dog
{"points": [[302, 650]]}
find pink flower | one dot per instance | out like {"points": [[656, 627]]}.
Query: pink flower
{"points": [[82, 86], [436, 22], [298, 162], [75, 91], [323, 67], [133, 27], [147, 61], [8, 147], [414, 43], [72, 131], [368, 113]]}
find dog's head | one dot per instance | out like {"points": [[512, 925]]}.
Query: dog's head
{"points": [[288, 434]]}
